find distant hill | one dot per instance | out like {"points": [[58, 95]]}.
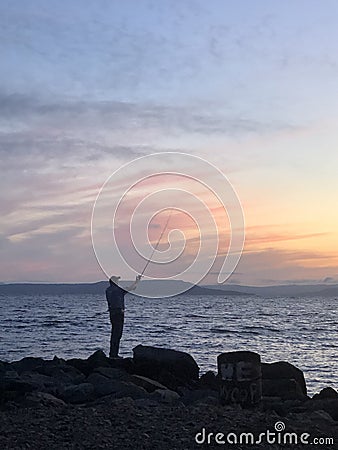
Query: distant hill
{"points": [[152, 287], [155, 287], [289, 290]]}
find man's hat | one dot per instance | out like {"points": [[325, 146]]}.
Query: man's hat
{"points": [[114, 279]]}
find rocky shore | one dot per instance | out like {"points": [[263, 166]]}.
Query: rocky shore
{"points": [[155, 400]]}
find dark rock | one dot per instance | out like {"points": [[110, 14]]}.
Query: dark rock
{"points": [[209, 380], [103, 385], [126, 364], [169, 380], [281, 407], [321, 416], [113, 373], [80, 393], [41, 382], [165, 396], [99, 359], [79, 364], [146, 402], [4, 367], [63, 373], [9, 375], [198, 395], [286, 389], [18, 386], [283, 370], [13, 389], [27, 364], [154, 362], [326, 393], [126, 389], [329, 405], [147, 384], [42, 398]]}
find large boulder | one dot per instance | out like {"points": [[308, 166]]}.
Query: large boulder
{"points": [[42, 399], [127, 389], [28, 364], [286, 389], [103, 385], [12, 387], [170, 367], [99, 359], [282, 371], [80, 393], [40, 382], [329, 405], [209, 380], [165, 396], [326, 393], [146, 383], [113, 373]]}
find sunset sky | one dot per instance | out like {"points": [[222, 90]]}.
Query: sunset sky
{"points": [[250, 86]]}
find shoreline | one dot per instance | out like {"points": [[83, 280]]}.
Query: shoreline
{"points": [[157, 399]]}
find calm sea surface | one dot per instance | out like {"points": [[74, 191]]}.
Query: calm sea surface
{"points": [[303, 331]]}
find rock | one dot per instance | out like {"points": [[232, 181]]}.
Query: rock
{"points": [[62, 371], [113, 373], [9, 374], [80, 364], [326, 393], [43, 398], [286, 389], [169, 380], [16, 385], [147, 384], [146, 402], [107, 386], [125, 364], [130, 390], [151, 362], [87, 366], [283, 370], [41, 382], [329, 405], [165, 396], [97, 360], [103, 385], [4, 367], [280, 406], [80, 393], [198, 395], [209, 380], [27, 364], [210, 400], [240, 378], [321, 416]]}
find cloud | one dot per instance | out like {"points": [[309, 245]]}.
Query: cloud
{"points": [[117, 115]]}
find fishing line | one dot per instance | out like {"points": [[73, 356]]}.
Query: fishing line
{"points": [[155, 248]]}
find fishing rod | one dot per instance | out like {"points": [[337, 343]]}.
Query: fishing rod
{"points": [[157, 244]]}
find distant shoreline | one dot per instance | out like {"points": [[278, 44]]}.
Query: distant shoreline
{"points": [[322, 290]]}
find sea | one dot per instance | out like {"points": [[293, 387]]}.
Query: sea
{"points": [[302, 331]]}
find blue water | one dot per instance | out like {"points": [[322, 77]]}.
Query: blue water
{"points": [[303, 331]]}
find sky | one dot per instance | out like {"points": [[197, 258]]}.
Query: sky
{"points": [[249, 86]]}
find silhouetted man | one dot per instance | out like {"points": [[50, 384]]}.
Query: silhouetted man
{"points": [[115, 298]]}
